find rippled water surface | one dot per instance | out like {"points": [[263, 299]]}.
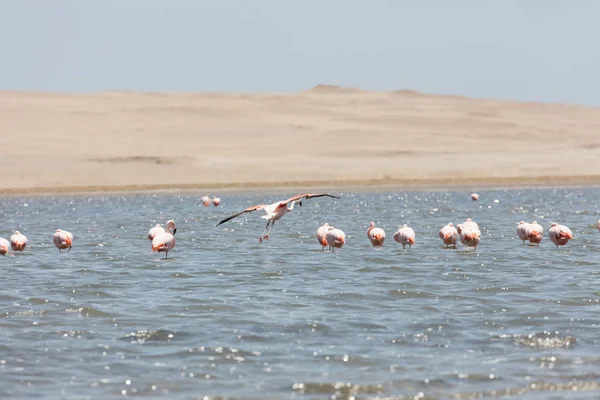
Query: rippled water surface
{"points": [[227, 317]]}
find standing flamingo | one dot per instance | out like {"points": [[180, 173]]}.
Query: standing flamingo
{"points": [[598, 225], [165, 241], [216, 201], [468, 222], [535, 232], [335, 238], [449, 235], [470, 236], [4, 246], [559, 234], [18, 241], [322, 235], [62, 240], [375, 235], [205, 200], [405, 236], [522, 228], [474, 196], [276, 211]]}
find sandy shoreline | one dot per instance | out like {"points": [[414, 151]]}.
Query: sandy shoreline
{"points": [[326, 137]]}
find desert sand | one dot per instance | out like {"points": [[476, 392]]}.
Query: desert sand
{"points": [[326, 137]]}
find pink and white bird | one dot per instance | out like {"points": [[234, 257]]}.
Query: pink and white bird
{"points": [[205, 200], [474, 196], [598, 225], [468, 222], [405, 236], [559, 234], [335, 238], [4, 247], [275, 211], [165, 241], [522, 228], [470, 236], [449, 235], [62, 240], [18, 241], [216, 201], [322, 235], [535, 232], [375, 235]]}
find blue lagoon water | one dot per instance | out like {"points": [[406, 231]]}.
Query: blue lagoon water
{"points": [[227, 317]]}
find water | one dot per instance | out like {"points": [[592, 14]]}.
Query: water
{"points": [[227, 317]]}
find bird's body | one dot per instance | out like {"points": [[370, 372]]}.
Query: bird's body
{"points": [[165, 241], [62, 240], [275, 211], [405, 236], [322, 235], [4, 247], [216, 201], [474, 196], [470, 236], [335, 238], [598, 225], [18, 241], [522, 228], [449, 235], [559, 234], [535, 232], [205, 200], [155, 231], [376, 235], [468, 222]]}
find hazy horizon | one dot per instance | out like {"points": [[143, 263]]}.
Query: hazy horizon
{"points": [[493, 49]]}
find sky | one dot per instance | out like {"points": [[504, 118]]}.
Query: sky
{"points": [[529, 50]]}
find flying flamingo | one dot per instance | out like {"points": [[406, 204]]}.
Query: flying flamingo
{"points": [[449, 235], [535, 232], [375, 235], [165, 241], [4, 246], [335, 238], [18, 241], [276, 211], [216, 201], [322, 235], [559, 234], [522, 228], [405, 236], [470, 236], [62, 240]]}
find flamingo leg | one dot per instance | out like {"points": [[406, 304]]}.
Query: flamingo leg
{"points": [[260, 239], [269, 231]]}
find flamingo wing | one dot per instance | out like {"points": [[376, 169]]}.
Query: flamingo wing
{"points": [[308, 196], [247, 210]]}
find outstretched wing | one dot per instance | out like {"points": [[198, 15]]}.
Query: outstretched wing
{"points": [[308, 196], [247, 210]]}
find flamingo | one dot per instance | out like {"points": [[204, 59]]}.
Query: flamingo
{"points": [[216, 201], [275, 211], [559, 234], [522, 228], [405, 236], [474, 196], [322, 235], [449, 235], [598, 225], [4, 246], [18, 241], [62, 240], [470, 236], [165, 241], [205, 200], [535, 233], [375, 235], [335, 238]]}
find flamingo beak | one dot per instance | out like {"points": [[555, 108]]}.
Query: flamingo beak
{"points": [[174, 231]]}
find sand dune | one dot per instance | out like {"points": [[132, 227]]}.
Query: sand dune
{"points": [[326, 136]]}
